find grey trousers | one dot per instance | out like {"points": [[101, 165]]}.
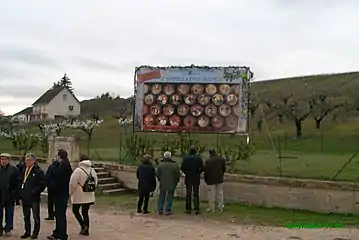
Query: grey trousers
{"points": [[215, 193]]}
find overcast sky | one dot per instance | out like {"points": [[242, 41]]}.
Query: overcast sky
{"points": [[99, 43]]}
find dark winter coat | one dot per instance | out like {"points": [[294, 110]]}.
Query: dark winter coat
{"points": [[60, 178], [34, 185], [214, 169], [146, 175], [9, 184], [192, 167], [21, 166], [168, 174], [50, 178]]}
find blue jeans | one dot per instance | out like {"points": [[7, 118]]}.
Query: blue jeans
{"points": [[9, 216], [168, 195]]}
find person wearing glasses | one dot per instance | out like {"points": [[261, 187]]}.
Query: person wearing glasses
{"points": [[32, 185]]}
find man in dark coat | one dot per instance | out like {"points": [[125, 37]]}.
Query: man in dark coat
{"points": [[9, 186], [214, 170], [50, 191], [61, 180], [20, 166], [192, 167], [32, 185], [168, 174], [146, 175]]}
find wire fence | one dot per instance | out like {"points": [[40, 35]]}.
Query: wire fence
{"points": [[320, 156]]}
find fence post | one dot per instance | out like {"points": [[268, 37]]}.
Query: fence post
{"points": [[280, 158]]}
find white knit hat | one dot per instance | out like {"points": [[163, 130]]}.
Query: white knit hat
{"points": [[167, 154]]}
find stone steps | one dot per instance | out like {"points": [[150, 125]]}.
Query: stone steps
{"points": [[107, 184]]}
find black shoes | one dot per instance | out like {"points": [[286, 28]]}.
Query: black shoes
{"points": [[84, 231], [26, 236], [143, 212], [49, 218]]}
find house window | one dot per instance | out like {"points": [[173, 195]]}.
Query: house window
{"points": [[64, 97], [71, 107]]}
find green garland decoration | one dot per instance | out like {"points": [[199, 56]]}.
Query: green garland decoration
{"points": [[244, 75]]}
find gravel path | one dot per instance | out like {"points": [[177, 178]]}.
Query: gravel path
{"points": [[124, 226]]}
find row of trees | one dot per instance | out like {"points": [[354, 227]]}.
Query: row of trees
{"points": [[296, 110]]}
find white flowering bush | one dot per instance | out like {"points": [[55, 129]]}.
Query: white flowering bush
{"points": [[21, 140], [87, 126]]}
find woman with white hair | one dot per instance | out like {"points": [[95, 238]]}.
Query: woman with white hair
{"points": [[83, 184]]}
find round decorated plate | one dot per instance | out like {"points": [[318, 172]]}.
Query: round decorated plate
{"points": [[155, 110], [144, 110], [162, 99], [231, 99], [203, 121], [169, 89], [224, 110], [217, 121], [237, 111], [231, 121], [145, 88], [175, 99], [197, 110], [183, 110], [156, 89], [190, 99], [175, 120], [189, 121], [197, 89], [224, 89], [204, 99], [149, 99], [211, 110], [211, 89], [148, 120], [217, 99], [183, 89], [162, 120], [168, 110], [236, 90]]}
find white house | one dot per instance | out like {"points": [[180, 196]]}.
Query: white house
{"points": [[55, 103], [24, 116]]}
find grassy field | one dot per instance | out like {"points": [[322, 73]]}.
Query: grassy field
{"points": [[235, 213], [319, 154]]}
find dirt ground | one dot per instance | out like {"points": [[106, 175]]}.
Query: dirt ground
{"points": [[126, 226]]}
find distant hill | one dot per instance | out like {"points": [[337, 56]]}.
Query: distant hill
{"points": [[343, 86], [106, 105]]}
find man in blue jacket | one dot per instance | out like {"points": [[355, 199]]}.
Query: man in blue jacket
{"points": [[61, 179], [192, 167]]}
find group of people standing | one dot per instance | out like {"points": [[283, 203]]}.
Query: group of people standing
{"points": [[25, 182], [168, 173]]}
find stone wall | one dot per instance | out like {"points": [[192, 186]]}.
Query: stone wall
{"points": [[302, 194], [312, 195]]}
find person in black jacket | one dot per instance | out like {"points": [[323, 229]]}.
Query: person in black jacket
{"points": [[61, 180], [192, 167], [146, 175], [50, 191], [214, 170], [9, 186], [32, 185], [20, 166]]}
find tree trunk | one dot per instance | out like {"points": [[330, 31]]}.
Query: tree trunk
{"points": [[259, 125], [298, 128], [317, 123]]}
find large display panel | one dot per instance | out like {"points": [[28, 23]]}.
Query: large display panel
{"points": [[192, 99]]}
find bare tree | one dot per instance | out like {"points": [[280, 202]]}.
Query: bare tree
{"points": [[320, 108], [295, 111]]}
